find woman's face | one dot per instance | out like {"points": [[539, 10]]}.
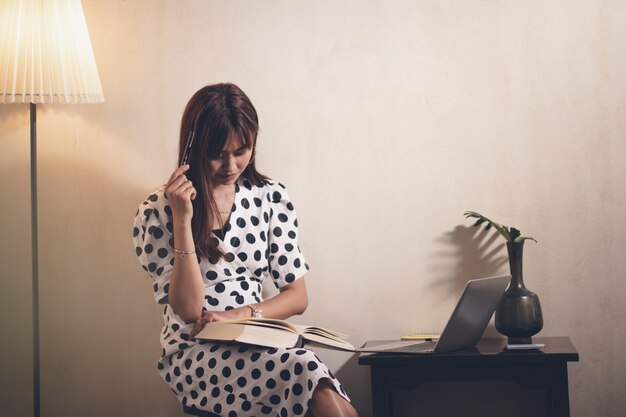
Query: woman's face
{"points": [[228, 166]]}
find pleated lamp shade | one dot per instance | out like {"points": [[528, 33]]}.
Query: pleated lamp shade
{"points": [[46, 54]]}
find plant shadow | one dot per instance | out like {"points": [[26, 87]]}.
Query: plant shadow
{"points": [[466, 253]]}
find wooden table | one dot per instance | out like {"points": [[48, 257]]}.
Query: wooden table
{"points": [[489, 361]]}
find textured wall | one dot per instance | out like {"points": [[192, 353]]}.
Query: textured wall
{"points": [[386, 120]]}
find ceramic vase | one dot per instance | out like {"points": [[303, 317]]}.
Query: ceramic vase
{"points": [[518, 315]]}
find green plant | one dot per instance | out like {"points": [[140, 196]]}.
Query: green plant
{"points": [[511, 234]]}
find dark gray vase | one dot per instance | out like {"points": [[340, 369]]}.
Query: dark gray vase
{"points": [[518, 315]]}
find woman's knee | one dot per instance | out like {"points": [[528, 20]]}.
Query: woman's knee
{"points": [[324, 388], [326, 401]]}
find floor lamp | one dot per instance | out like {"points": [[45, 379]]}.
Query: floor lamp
{"points": [[45, 57]]}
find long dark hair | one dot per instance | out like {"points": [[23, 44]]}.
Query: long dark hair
{"points": [[214, 114]]}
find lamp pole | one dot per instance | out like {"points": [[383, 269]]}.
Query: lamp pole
{"points": [[34, 258]]}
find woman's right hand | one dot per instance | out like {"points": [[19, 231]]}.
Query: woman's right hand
{"points": [[180, 192], [217, 316]]}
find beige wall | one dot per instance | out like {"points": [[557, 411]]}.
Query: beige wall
{"points": [[386, 120]]}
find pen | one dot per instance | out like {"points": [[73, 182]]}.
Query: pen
{"points": [[187, 150]]}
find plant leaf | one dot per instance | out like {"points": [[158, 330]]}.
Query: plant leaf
{"points": [[479, 221], [473, 214], [503, 231], [515, 233], [522, 238]]}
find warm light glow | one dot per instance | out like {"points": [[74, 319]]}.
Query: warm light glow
{"points": [[46, 54]]}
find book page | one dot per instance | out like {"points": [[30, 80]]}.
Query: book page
{"points": [[275, 323], [325, 341], [245, 333], [321, 331]]}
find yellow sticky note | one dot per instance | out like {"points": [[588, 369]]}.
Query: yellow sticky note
{"points": [[420, 336]]}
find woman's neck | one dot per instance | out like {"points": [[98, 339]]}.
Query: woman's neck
{"points": [[221, 192], [224, 196]]}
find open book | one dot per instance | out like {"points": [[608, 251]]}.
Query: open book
{"points": [[273, 333]]}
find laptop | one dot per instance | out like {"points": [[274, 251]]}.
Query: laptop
{"points": [[466, 325]]}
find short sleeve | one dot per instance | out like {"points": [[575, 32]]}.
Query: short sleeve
{"points": [[152, 236], [286, 262]]}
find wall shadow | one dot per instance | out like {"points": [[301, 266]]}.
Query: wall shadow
{"points": [[355, 379], [465, 253]]}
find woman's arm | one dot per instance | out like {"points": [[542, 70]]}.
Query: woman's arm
{"points": [[291, 300], [186, 291]]}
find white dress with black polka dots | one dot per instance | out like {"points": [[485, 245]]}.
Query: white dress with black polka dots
{"points": [[260, 241]]}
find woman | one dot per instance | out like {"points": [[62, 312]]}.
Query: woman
{"points": [[208, 238]]}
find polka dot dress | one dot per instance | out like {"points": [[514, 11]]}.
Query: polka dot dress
{"points": [[259, 241]]}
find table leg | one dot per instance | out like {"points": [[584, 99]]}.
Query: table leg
{"points": [[382, 398], [558, 392]]}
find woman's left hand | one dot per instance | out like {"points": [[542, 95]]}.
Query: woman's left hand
{"points": [[215, 316]]}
